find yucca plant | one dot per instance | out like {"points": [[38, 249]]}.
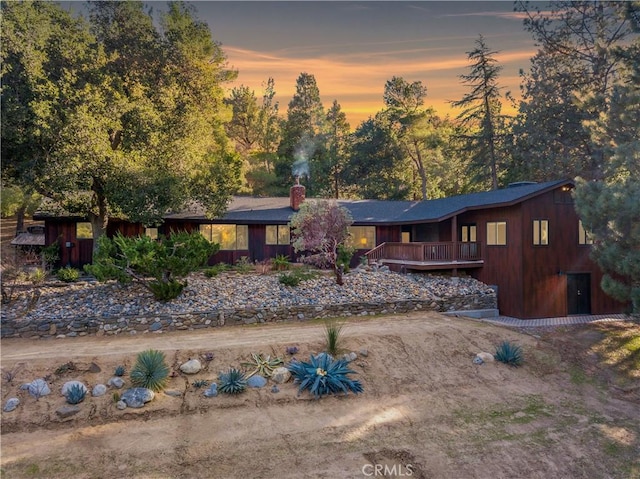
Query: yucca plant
{"points": [[322, 375], [509, 354], [333, 337], [76, 394], [150, 370], [263, 365], [232, 381], [119, 371]]}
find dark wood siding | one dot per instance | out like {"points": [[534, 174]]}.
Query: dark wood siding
{"points": [[503, 264], [546, 267]]}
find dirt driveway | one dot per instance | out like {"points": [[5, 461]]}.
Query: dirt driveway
{"points": [[427, 410]]}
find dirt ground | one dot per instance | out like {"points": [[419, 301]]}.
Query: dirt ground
{"points": [[426, 412]]}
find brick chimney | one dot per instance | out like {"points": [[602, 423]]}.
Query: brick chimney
{"points": [[296, 195]]}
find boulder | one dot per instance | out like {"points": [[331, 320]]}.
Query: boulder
{"points": [[486, 357], [116, 382], [211, 391], [11, 404], [99, 390], [67, 411], [137, 397], [38, 388], [192, 366], [280, 375], [256, 381]]}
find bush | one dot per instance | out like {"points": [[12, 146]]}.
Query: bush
{"points": [[296, 276], [281, 262], [150, 370], [232, 382], [322, 376], [166, 291], [216, 269], [333, 337], [509, 354], [76, 394], [344, 255], [68, 274], [38, 276], [244, 265]]}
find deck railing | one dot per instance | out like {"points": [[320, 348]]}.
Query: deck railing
{"points": [[426, 252]]}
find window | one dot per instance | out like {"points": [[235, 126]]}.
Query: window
{"points": [[151, 233], [84, 230], [541, 232], [468, 233], [497, 233], [362, 237], [405, 237], [229, 237], [278, 234], [584, 237]]}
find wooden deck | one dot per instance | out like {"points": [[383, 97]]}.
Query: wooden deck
{"points": [[428, 256]]}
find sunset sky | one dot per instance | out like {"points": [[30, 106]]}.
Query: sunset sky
{"points": [[353, 48]]}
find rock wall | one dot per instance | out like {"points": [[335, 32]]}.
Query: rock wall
{"points": [[134, 324]]}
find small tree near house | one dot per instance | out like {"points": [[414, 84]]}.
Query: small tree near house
{"points": [[318, 229]]}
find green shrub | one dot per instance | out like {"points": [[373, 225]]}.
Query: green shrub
{"points": [[76, 394], [216, 269], [150, 370], [281, 262], [296, 276], [244, 265], [344, 254], [166, 291], [322, 376], [232, 382], [68, 274], [509, 354], [333, 337], [38, 276]]}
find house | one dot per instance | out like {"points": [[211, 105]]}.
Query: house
{"points": [[525, 240]]}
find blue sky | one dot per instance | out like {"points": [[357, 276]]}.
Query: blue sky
{"points": [[353, 48]]}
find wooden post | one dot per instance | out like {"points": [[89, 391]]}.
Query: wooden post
{"points": [[454, 240]]}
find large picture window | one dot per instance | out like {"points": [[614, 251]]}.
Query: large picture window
{"points": [[584, 237], [540, 232], [84, 230], [362, 237], [497, 233], [229, 237], [278, 235]]}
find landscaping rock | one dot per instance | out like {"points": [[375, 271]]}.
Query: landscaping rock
{"points": [[275, 389], [11, 404], [99, 390], [94, 368], [350, 357], [364, 352], [121, 405], [280, 375], [192, 366], [137, 397], [69, 384], [212, 391], [68, 411], [256, 381], [116, 382], [38, 388], [173, 393], [486, 357]]}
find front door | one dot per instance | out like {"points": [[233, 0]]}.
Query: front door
{"points": [[579, 293]]}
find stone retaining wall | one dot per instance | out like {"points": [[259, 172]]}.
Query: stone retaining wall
{"points": [[22, 328]]}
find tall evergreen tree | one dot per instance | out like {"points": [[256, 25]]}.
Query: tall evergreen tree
{"points": [[481, 111], [301, 148], [337, 145]]}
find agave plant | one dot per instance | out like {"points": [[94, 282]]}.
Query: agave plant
{"points": [[119, 371], [509, 354], [200, 383], [232, 381], [263, 365], [322, 375], [150, 370], [76, 394]]}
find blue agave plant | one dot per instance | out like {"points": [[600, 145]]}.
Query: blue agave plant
{"points": [[76, 394], [322, 375], [509, 354], [232, 381]]}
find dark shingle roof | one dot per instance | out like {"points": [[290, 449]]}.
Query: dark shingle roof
{"points": [[277, 210]]}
